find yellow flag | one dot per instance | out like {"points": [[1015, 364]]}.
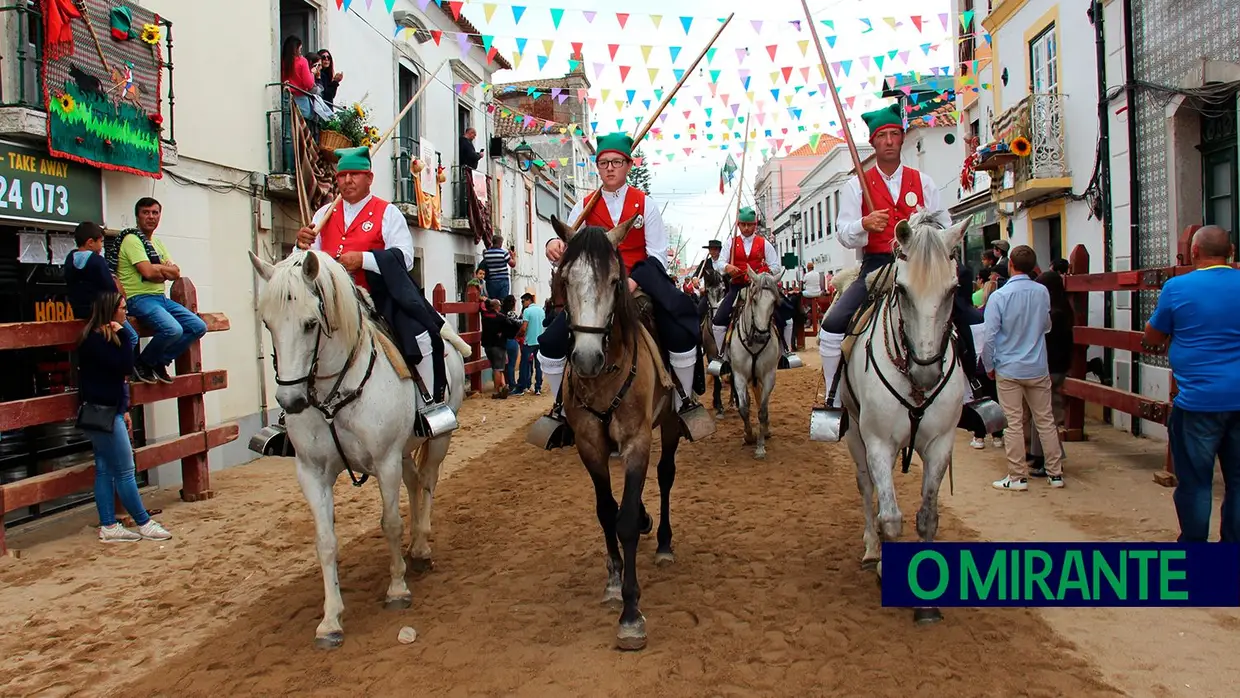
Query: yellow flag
{"points": [[787, 100], [547, 46], [803, 45], [604, 94], [654, 73], [488, 9], [619, 105], [774, 77], [646, 53], [891, 21], [656, 19], [516, 59]]}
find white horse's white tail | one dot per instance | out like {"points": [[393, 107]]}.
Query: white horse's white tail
{"points": [[449, 335]]}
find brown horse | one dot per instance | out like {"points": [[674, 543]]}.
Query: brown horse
{"points": [[615, 391]]}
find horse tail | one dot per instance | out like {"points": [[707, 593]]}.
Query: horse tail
{"points": [[455, 340]]}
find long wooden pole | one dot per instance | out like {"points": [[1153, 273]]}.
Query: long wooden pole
{"points": [[374, 147], [839, 108], [740, 185], [646, 125]]}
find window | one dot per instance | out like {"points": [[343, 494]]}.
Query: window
{"points": [[837, 203], [819, 207], [830, 225], [1043, 63], [1220, 191], [529, 215], [408, 133], [465, 118], [966, 38]]}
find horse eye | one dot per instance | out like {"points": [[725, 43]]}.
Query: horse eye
{"points": [[310, 325]]}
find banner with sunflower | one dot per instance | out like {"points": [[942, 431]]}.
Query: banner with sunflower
{"points": [[102, 74]]}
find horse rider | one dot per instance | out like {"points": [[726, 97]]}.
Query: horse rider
{"points": [[371, 239], [747, 251], [644, 252], [898, 191], [712, 261]]}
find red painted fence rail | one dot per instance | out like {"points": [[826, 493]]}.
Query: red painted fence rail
{"points": [[188, 387], [472, 310]]}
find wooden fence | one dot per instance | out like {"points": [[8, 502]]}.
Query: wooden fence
{"points": [[472, 310], [188, 387], [1077, 391]]}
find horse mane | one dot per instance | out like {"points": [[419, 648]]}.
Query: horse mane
{"points": [[927, 256], [286, 292], [591, 246]]}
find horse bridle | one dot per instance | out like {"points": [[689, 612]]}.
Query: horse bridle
{"points": [[336, 400], [753, 332]]}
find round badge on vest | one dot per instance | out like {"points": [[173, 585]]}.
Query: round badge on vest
{"points": [[910, 199], [638, 221], [368, 226]]}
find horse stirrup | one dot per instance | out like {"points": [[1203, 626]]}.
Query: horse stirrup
{"points": [[435, 419]]}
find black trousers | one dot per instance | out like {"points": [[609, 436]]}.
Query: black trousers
{"points": [[845, 306], [675, 315], [723, 315]]}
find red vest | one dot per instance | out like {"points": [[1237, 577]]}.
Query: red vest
{"points": [[365, 234], [756, 259], [910, 183], [633, 248]]}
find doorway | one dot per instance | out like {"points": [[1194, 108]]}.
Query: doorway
{"points": [[300, 19], [1047, 239], [464, 272]]}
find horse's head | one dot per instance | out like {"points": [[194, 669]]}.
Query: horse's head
{"points": [[925, 287], [594, 286], [308, 305], [715, 286], [764, 297]]}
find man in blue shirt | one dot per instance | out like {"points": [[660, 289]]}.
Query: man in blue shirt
{"points": [[533, 318], [1197, 314], [1018, 316]]}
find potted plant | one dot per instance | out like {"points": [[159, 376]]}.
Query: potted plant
{"points": [[348, 129]]}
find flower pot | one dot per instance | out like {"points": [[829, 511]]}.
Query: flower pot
{"points": [[331, 140]]}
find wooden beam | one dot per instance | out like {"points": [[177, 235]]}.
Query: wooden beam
{"points": [[1116, 399], [477, 367], [67, 481], [1124, 340], [466, 307], [19, 414], [1136, 280], [27, 335]]}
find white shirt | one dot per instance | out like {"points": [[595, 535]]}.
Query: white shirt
{"points": [[811, 284], [656, 233], [395, 232], [848, 219], [772, 254]]}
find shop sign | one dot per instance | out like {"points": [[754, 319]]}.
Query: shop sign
{"points": [[35, 187]]}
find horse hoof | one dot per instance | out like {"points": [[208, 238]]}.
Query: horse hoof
{"points": [[719, 414], [632, 636], [612, 597], [399, 603], [664, 558], [869, 564], [760, 455], [647, 525], [329, 641], [926, 616], [421, 564]]}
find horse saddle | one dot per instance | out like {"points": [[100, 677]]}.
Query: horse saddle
{"points": [[393, 355], [877, 284]]}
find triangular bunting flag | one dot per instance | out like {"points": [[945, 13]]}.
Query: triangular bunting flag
{"points": [[622, 18], [916, 21], [772, 50], [456, 9], [803, 44], [653, 73], [521, 41], [517, 11], [613, 48], [589, 16], [542, 62], [656, 20], [686, 22], [714, 75], [645, 54], [548, 44], [557, 14], [624, 73], [488, 10], [674, 52]]}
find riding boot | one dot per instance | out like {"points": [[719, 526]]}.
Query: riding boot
{"points": [[436, 418], [683, 364], [553, 371], [552, 431], [829, 350], [719, 331]]}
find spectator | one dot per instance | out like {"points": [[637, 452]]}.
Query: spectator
{"points": [[478, 282], [979, 288], [1017, 320], [532, 319], [813, 283], [86, 271], [970, 333], [1061, 267], [295, 72], [498, 261], [496, 330], [470, 156], [1001, 249], [1196, 316], [509, 308], [328, 78], [143, 266], [105, 353], [1058, 360]]}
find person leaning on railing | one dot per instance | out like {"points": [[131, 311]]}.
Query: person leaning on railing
{"points": [[105, 361]]}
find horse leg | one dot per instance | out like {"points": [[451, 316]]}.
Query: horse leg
{"points": [[429, 457], [631, 634], [667, 476], [764, 412], [880, 459], [718, 401], [388, 471], [316, 485], [742, 401], [936, 458], [865, 486], [607, 509]]}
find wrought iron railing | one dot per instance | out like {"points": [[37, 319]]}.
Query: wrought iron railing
{"points": [[404, 152], [462, 179], [1039, 119], [21, 83]]}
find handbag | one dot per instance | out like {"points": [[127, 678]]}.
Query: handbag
{"points": [[94, 417]]}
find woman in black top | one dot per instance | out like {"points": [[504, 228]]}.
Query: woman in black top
{"points": [[328, 77], [105, 356]]}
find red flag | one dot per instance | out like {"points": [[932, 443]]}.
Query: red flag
{"points": [[56, 16], [720, 181]]}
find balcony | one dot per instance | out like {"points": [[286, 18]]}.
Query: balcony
{"points": [[23, 114], [1043, 171]]}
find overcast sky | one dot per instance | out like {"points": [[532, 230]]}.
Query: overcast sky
{"points": [[689, 181]]}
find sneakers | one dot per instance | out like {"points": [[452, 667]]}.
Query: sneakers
{"points": [[144, 374], [1008, 484], [151, 530], [117, 533], [538, 392], [1055, 481], [996, 441], [978, 443], [161, 374]]}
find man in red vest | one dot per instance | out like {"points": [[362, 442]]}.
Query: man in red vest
{"points": [[897, 192], [747, 251], [370, 238], [644, 251]]}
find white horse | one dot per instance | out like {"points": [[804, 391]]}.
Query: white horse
{"points": [[904, 363], [753, 353], [333, 358]]}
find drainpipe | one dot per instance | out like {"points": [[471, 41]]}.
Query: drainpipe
{"points": [[1134, 191], [1104, 175], [255, 216]]}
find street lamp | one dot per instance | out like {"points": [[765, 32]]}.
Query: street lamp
{"points": [[525, 155]]}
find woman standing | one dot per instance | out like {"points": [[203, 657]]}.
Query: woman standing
{"points": [[329, 79], [511, 346], [295, 71], [105, 355]]}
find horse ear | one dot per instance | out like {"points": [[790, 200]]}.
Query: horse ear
{"points": [[310, 266], [618, 233], [953, 235], [563, 231], [903, 233], [752, 276], [264, 269]]}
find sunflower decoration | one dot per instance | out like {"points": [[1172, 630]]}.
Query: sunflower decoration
{"points": [[373, 133], [67, 104], [359, 110], [365, 141], [150, 34], [1020, 146]]}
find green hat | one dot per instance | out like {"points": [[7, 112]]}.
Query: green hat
{"points": [[888, 117], [617, 142], [353, 159], [121, 22], [747, 215]]}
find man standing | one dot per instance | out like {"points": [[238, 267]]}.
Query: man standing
{"points": [[1018, 316], [143, 267], [370, 238], [748, 251], [897, 192], [644, 252], [470, 157], [497, 260], [1196, 315], [532, 318]]}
